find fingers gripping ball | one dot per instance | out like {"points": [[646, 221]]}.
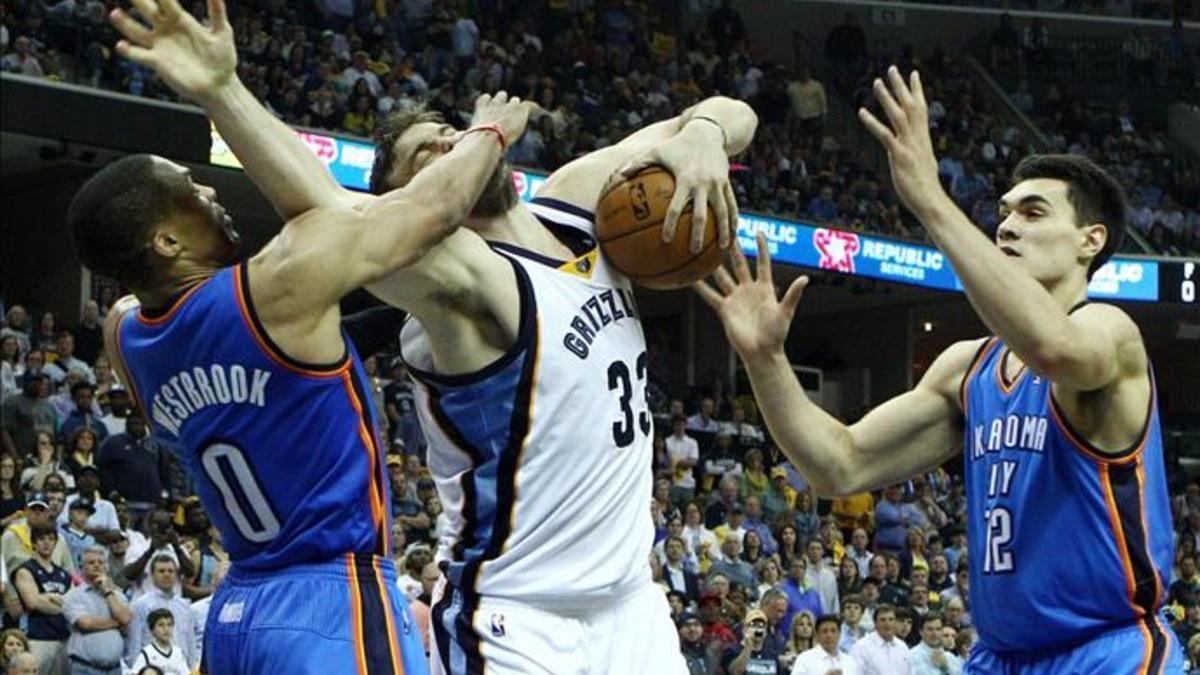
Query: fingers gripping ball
{"points": [[629, 222]]}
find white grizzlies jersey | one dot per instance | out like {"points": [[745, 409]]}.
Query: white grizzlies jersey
{"points": [[542, 459]]}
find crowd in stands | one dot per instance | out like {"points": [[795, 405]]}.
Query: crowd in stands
{"points": [[110, 560], [602, 70]]}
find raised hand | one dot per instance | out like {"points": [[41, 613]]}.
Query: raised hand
{"points": [[701, 170], [510, 114], [195, 60], [756, 320], [907, 140]]}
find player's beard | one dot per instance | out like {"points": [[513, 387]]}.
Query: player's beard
{"points": [[498, 196]]}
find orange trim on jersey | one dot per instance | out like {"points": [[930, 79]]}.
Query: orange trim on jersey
{"points": [[982, 355], [265, 346], [159, 320], [1147, 651], [1083, 447], [1141, 479], [1114, 520], [356, 627], [367, 438], [393, 646], [137, 399], [1006, 387], [1166, 655]]}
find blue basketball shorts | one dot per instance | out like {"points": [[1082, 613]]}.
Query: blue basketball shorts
{"points": [[344, 616], [1147, 647]]}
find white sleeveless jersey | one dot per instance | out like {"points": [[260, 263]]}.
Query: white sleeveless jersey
{"points": [[542, 459]]}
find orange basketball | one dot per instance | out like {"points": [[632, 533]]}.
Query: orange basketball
{"points": [[629, 220]]}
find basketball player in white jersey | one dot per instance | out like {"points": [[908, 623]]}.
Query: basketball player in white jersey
{"points": [[530, 359]]}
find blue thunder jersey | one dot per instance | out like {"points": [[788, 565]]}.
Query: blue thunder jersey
{"points": [[1066, 542], [285, 455]]}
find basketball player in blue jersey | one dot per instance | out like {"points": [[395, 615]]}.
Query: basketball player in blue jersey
{"points": [[244, 364], [1069, 524], [530, 363]]}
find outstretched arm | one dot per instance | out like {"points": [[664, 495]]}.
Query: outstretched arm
{"points": [[695, 147], [904, 436], [200, 63], [1085, 351]]}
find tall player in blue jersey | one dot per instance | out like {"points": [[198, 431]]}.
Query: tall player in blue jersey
{"points": [[1069, 525], [244, 363]]}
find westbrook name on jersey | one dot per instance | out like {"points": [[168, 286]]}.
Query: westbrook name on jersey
{"points": [[1067, 543], [540, 458], [285, 455]]}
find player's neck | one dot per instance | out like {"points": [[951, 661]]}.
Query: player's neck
{"points": [[519, 227], [162, 295], [1068, 291]]}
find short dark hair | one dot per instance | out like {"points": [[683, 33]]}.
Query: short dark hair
{"points": [[389, 130], [158, 615], [827, 618], [80, 386], [932, 616], [885, 608], [36, 532], [112, 215], [1095, 194]]}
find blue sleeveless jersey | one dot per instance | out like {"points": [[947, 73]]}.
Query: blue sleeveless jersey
{"points": [[1065, 542], [285, 456]]}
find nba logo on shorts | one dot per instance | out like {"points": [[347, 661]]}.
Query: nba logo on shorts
{"points": [[498, 625]]}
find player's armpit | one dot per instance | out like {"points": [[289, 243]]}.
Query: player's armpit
{"points": [[913, 432], [1098, 346]]}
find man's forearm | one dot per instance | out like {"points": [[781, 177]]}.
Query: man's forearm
{"points": [[1011, 302], [816, 443], [736, 119], [293, 179]]}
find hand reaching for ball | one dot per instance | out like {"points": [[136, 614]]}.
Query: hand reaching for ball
{"points": [[696, 157]]}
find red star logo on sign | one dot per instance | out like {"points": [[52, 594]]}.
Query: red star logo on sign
{"points": [[837, 249]]}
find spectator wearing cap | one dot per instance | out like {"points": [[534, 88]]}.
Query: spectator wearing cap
{"points": [[42, 586], [779, 497], [701, 656], [135, 464], [103, 522], [400, 405], [96, 614], [731, 564], [120, 403], [162, 594], [684, 454], [74, 531], [825, 657], [64, 346], [716, 628], [26, 414], [84, 414], [17, 543], [735, 520], [759, 650]]}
